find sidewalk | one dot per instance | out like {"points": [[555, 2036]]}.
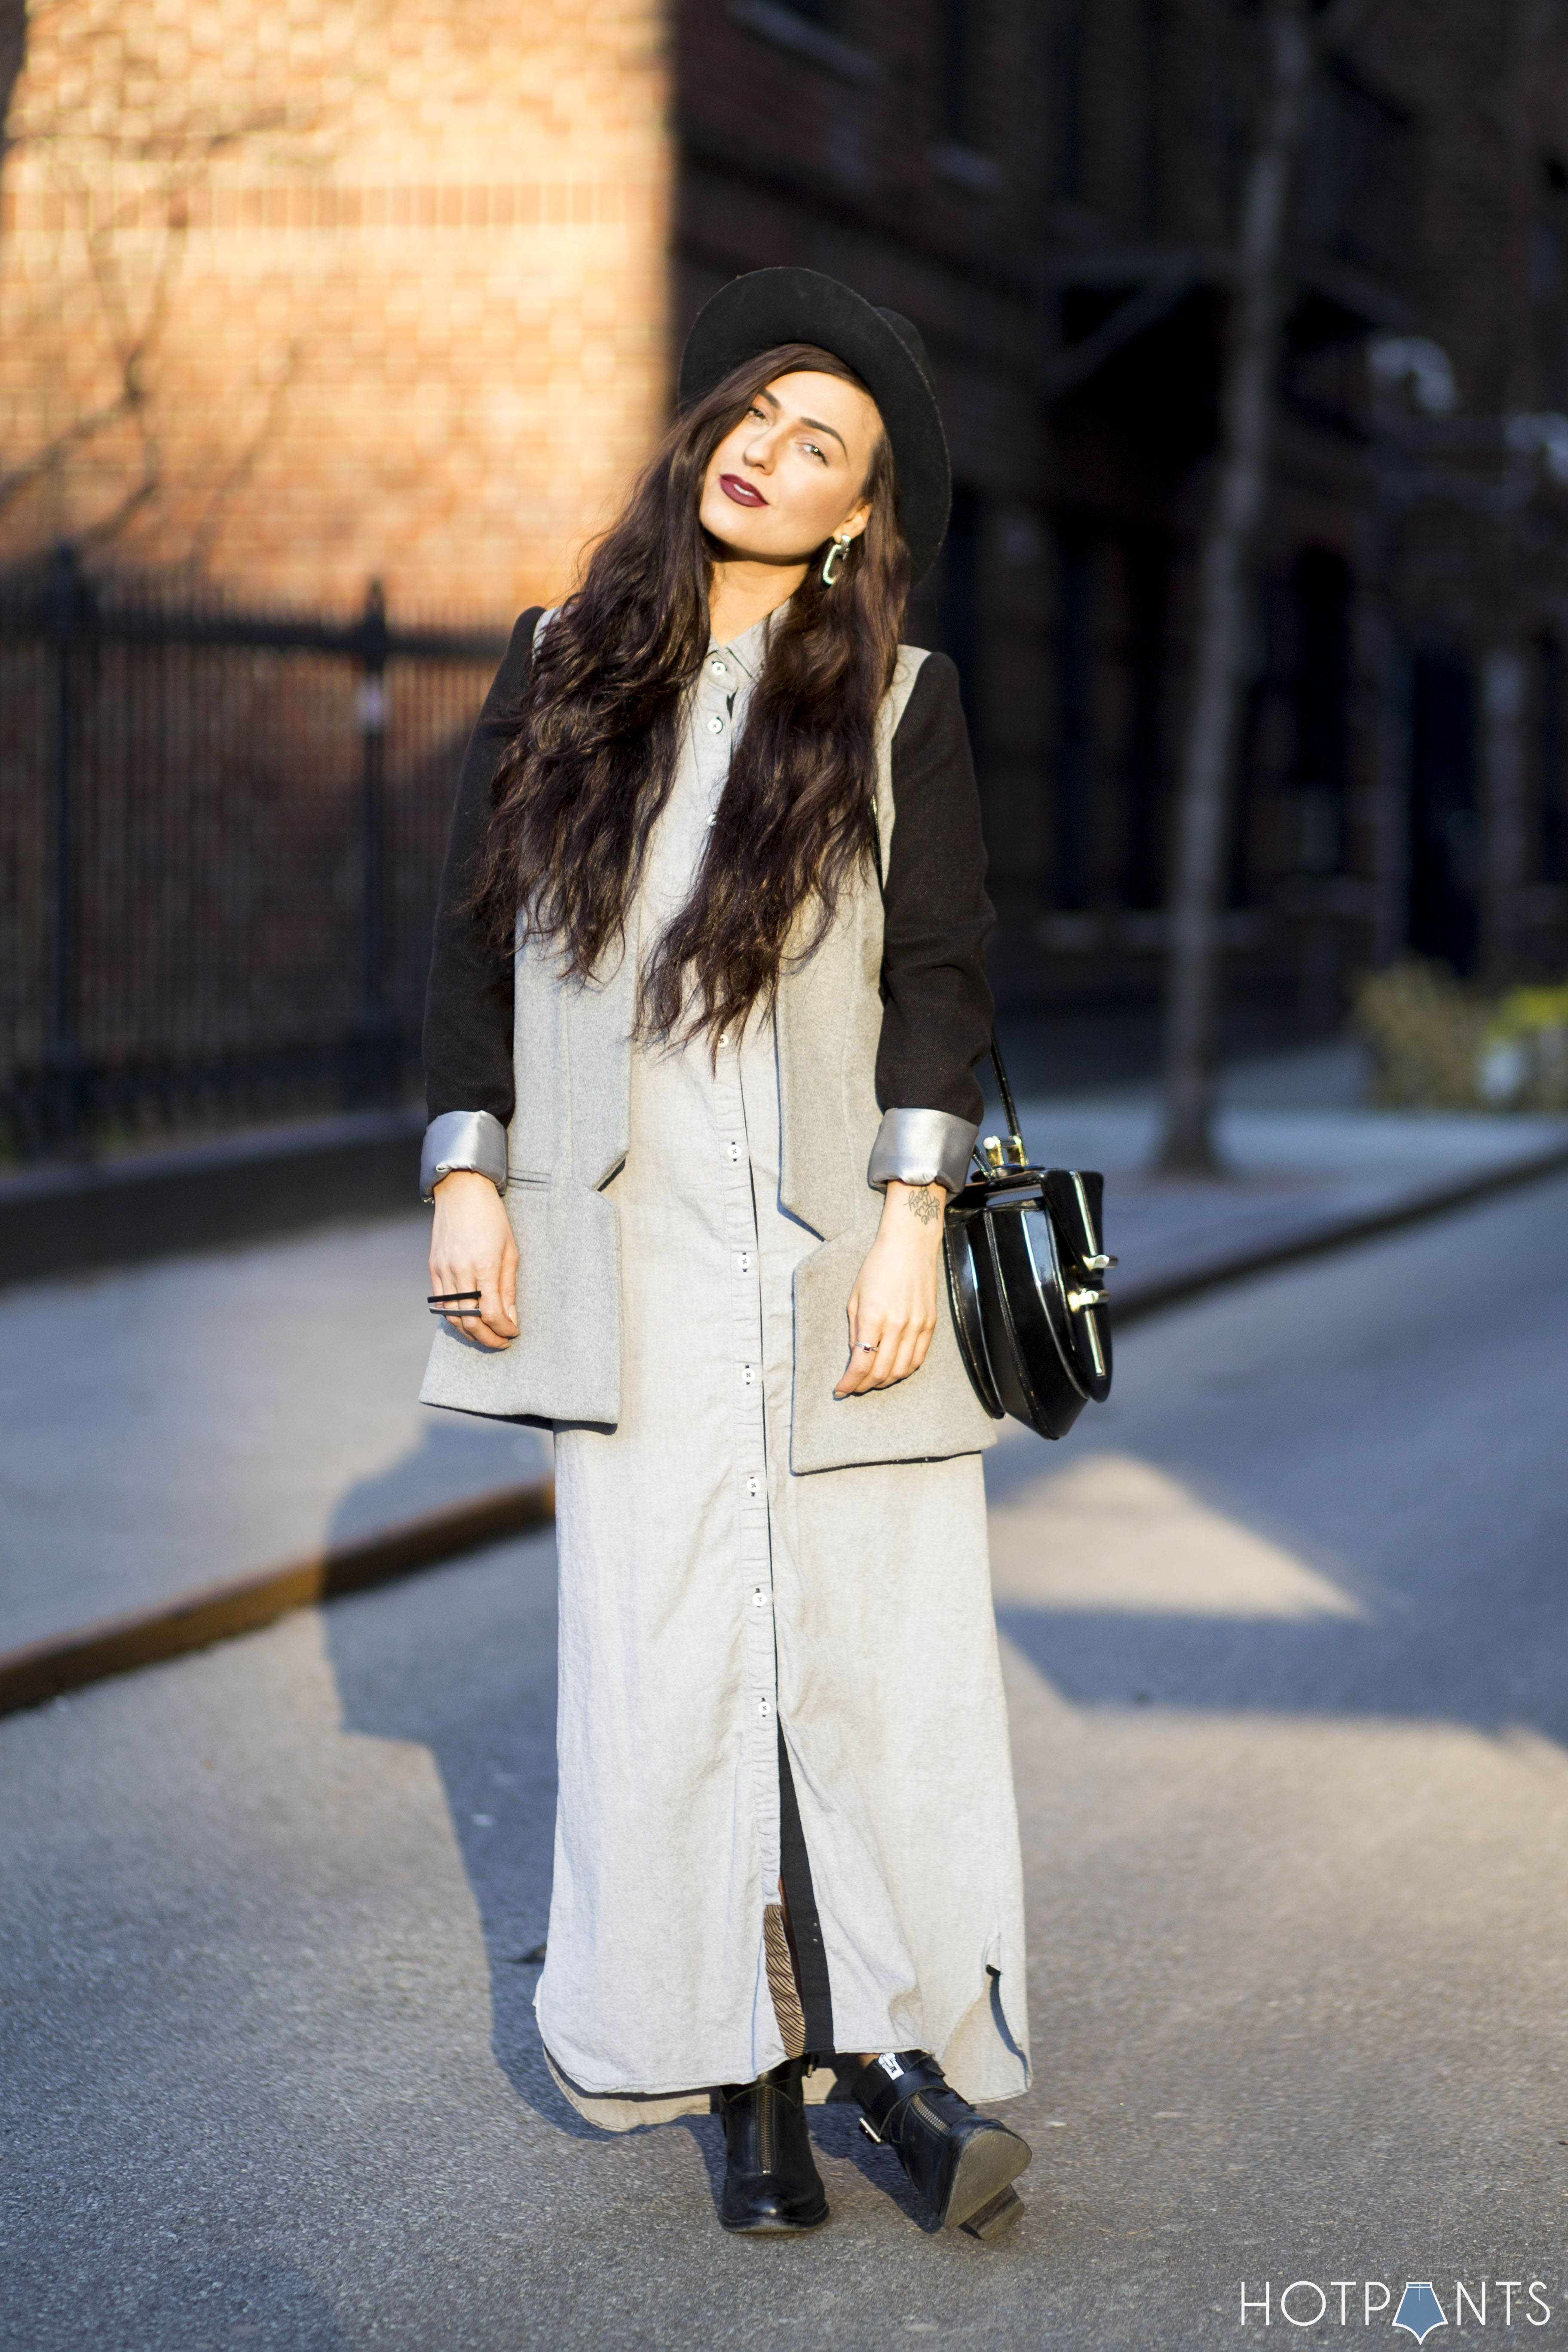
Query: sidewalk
{"points": [[1302, 1150], [168, 1425]]}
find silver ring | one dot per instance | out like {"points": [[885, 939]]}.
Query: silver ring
{"points": [[870, 1345]]}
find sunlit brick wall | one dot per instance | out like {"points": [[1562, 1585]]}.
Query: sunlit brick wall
{"points": [[301, 294]]}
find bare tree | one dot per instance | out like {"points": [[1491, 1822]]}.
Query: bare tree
{"points": [[114, 453], [1296, 34]]}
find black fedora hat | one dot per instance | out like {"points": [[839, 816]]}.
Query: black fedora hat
{"points": [[768, 307]]}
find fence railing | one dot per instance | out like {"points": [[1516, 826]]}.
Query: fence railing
{"points": [[220, 837]]}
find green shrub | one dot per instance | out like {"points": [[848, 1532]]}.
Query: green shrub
{"points": [[1437, 1044]]}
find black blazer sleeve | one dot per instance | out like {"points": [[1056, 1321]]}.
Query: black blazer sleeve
{"points": [[469, 998], [936, 1007]]}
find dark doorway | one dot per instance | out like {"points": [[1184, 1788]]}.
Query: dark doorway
{"points": [[959, 599], [1074, 762], [1552, 779], [945, 611], [960, 81], [1320, 764], [1143, 781], [1444, 847]]}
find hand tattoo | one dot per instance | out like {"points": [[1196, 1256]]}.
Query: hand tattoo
{"points": [[925, 1204]]}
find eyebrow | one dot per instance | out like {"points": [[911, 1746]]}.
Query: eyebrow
{"points": [[812, 424], [815, 424]]}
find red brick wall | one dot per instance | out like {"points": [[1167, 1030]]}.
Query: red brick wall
{"points": [[357, 288]]}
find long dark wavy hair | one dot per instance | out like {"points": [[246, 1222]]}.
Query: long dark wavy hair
{"points": [[593, 760]]}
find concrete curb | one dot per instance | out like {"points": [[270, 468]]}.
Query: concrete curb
{"points": [[235, 1188], [1152, 1296], [215, 1613]]}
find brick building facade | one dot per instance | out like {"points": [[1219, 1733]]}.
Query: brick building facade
{"points": [[1047, 190], [297, 297], [392, 288]]}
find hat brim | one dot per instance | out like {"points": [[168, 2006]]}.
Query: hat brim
{"points": [[769, 307]]}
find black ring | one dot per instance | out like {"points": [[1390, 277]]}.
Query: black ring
{"points": [[458, 1314], [449, 1297]]}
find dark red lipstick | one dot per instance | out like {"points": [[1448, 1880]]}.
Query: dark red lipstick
{"points": [[734, 486]]}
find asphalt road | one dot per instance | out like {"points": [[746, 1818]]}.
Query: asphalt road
{"points": [[1287, 1636]]}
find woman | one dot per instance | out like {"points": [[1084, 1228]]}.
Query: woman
{"points": [[707, 994]]}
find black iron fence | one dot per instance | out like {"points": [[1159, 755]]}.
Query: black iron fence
{"points": [[220, 835]]}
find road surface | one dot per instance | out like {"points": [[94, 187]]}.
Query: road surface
{"points": [[1286, 1632]]}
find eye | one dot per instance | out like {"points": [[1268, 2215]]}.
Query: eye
{"points": [[815, 449]]}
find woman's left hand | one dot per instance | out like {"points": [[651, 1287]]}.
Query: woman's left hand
{"points": [[893, 1307]]}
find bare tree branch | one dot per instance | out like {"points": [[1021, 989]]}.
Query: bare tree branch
{"points": [[237, 474], [83, 153]]}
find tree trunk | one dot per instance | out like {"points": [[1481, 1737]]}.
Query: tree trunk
{"points": [[1225, 587]]}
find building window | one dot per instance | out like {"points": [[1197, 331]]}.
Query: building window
{"points": [[1549, 289], [961, 600], [961, 109], [1320, 614], [1147, 573], [1072, 44], [945, 608], [1444, 840], [1152, 65], [1074, 767]]}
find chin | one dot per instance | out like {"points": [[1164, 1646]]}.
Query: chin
{"points": [[731, 528]]}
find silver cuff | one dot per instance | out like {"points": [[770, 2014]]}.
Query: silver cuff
{"points": [[463, 1139], [921, 1146]]}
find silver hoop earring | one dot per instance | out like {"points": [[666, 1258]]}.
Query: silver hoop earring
{"points": [[834, 558]]}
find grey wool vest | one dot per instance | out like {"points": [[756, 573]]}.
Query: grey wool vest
{"points": [[570, 1136]]}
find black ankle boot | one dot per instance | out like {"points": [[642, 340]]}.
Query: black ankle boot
{"points": [[771, 2182], [961, 2163]]}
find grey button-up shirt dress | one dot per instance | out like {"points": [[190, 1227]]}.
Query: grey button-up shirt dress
{"points": [[767, 1673]]}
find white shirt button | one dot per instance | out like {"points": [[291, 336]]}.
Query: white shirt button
{"points": [[759, 1597], [715, 725], [718, 668]]}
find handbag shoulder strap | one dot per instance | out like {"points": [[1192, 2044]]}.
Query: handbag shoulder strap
{"points": [[1010, 1108]]}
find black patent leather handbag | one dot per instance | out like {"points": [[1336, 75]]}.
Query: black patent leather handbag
{"points": [[1026, 1274]]}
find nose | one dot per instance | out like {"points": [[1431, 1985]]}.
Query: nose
{"points": [[759, 449]]}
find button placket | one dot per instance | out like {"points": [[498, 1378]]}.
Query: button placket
{"points": [[718, 709], [755, 1562]]}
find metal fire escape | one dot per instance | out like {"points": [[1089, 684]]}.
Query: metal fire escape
{"points": [[1139, 321]]}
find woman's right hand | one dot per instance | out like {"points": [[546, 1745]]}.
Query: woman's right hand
{"points": [[471, 1248]]}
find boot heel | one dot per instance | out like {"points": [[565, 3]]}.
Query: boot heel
{"points": [[961, 2163], [993, 2220]]}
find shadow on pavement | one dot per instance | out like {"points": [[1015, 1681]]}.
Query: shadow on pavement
{"points": [[271, 2305], [471, 1677], [1334, 1505], [1340, 1494]]}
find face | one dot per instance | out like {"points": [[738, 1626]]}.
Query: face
{"points": [[791, 473]]}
